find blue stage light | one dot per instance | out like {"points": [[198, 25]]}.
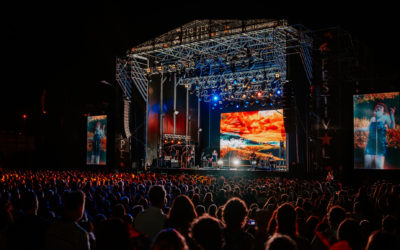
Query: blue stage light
{"points": [[254, 79], [237, 106], [278, 92], [234, 82], [215, 98]]}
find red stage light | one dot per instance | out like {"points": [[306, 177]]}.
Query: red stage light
{"points": [[24, 116], [259, 94]]}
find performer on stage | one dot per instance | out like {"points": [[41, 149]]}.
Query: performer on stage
{"points": [[253, 160], [191, 160], [271, 162], [214, 157]]}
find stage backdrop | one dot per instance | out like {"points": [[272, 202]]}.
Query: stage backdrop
{"points": [[96, 145], [262, 132], [376, 138]]}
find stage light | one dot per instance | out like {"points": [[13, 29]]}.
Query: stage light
{"points": [[254, 79], [278, 92], [236, 162], [234, 82], [172, 141], [24, 116], [237, 106], [244, 96], [179, 142], [220, 162], [215, 98], [165, 141], [259, 94]]}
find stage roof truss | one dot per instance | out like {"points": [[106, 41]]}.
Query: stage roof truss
{"points": [[208, 56]]}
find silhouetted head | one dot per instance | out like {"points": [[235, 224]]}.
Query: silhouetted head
{"points": [[169, 239], [234, 213], [280, 241], [207, 232], [30, 203], [182, 212], [350, 231], [336, 215], [379, 240], [286, 219], [157, 196]]}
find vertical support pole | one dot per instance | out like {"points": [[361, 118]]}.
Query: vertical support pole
{"points": [[146, 123], [174, 103], [187, 122], [198, 122], [198, 129], [187, 111], [161, 115]]}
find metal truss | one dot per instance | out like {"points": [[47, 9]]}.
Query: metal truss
{"points": [[176, 137], [138, 74], [226, 57], [123, 77]]}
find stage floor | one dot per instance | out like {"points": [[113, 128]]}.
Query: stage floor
{"points": [[223, 171]]}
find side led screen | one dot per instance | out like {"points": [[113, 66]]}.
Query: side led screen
{"points": [[376, 131], [96, 145]]}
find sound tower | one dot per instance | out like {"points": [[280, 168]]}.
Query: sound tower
{"points": [[287, 101]]}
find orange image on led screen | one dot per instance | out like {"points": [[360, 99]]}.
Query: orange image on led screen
{"points": [[262, 132]]}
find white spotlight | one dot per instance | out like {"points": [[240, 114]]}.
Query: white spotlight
{"points": [[236, 162], [220, 162]]}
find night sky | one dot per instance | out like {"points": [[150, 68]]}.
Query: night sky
{"points": [[67, 49]]}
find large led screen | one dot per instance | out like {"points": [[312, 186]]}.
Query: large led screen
{"points": [[258, 135], [96, 145], [376, 131]]}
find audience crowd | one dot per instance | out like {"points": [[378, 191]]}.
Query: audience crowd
{"points": [[57, 210]]}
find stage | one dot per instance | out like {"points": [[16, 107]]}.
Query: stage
{"points": [[222, 171]]}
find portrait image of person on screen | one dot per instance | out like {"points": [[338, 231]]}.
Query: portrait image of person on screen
{"points": [[376, 143], [98, 134]]}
